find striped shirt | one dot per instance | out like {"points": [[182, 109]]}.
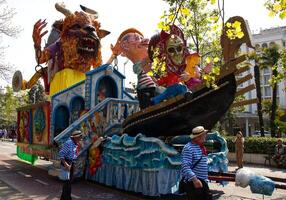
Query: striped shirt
{"points": [[68, 151], [145, 81], [190, 155]]}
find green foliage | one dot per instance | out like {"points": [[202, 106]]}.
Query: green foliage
{"points": [[281, 127], [36, 93], [275, 58], [8, 104], [199, 23], [276, 8], [202, 27], [266, 106], [258, 145]]}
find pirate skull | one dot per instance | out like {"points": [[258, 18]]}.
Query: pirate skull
{"points": [[175, 49]]}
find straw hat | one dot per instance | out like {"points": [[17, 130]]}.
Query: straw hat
{"points": [[197, 131], [76, 133]]}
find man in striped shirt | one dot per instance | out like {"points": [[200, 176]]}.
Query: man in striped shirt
{"points": [[194, 166], [68, 155]]}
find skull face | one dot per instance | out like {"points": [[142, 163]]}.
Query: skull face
{"points": [[175, 49]]}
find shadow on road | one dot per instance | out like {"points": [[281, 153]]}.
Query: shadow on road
{"points": [[7, 192]]}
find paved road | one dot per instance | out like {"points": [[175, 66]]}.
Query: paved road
{"points": [[21, 181]]}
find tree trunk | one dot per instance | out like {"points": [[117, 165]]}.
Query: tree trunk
{"points": [[274, 105], [258, 94]]}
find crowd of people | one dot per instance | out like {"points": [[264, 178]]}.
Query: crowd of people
{"points": [[7, 134]]}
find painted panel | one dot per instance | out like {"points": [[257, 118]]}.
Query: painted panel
{"points": [[23, 130], [34, 123], [61, 120], [40, 125], [105, 88], [77, 106]]}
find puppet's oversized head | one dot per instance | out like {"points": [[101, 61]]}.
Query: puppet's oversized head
{"points": [[173, 46], [80, 36]]}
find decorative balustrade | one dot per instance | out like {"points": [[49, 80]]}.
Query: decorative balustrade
{"points": [[104, 119]]}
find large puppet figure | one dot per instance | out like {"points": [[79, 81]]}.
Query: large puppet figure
{"points": [[75, 52], [181, 65], [132, 44]]}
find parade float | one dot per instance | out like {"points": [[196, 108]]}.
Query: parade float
{"points": [[123, 146]]}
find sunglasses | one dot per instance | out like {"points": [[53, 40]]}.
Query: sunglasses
{"points": [[175, 49]]}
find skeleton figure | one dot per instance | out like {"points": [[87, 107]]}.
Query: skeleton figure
{"points": [[180, 63], [175, 49]]}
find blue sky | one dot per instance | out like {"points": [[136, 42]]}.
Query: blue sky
{"points": [[115, 16]]}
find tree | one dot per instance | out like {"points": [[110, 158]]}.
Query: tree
{"points": [[259, 97], [6, 29], [276, 7], [200, 24], [272, 57], [255, 55], [8, 104], [36, 93], [203, 24], [202, 29]]}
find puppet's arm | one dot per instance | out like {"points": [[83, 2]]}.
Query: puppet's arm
{"points": [[41, 55]]}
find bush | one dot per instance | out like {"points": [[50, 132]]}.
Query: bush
{"points": [[258, 145]]}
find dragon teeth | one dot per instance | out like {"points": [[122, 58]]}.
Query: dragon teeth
{"points": [[88, 39], [86, 49]]}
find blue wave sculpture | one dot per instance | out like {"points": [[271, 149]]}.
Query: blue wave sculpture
{"points": [[140, 152]]}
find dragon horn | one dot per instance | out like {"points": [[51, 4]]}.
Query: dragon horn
{"points": [[61, 8], [89, 11]]}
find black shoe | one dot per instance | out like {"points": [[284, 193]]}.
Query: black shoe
{"points": [[188, 95]]}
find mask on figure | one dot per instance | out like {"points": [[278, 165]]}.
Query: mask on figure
{"points": [[175, 49]]}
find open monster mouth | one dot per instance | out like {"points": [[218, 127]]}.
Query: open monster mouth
{"points": [[88, 47]]}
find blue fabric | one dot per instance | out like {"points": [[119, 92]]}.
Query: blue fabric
{"points": [[68, 150], [190, 155], [147, 182], [261, 185], [64, 174], [171, 91]]}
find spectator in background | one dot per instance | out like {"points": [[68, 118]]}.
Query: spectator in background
{"points": [[1, 134], [239, 149], [13, 135], [279, 153], [5, 134]]}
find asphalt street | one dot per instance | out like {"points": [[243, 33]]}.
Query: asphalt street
{"points": [[22, 181]]}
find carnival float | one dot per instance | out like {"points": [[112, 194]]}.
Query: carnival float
{"points": [[123, 146]]}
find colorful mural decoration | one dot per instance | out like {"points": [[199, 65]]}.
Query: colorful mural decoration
{"points": [[40, 123], [33, 130], [23, 127]]}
